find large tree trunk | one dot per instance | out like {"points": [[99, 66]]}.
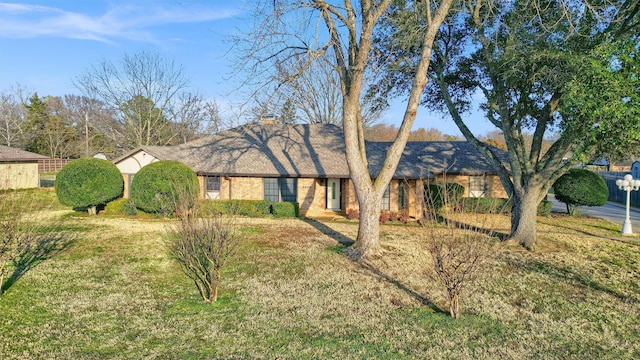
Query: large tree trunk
{"points": [[524, 215], [368, 240]]}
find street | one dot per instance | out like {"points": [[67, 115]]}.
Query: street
{"points": [[611, 211]]}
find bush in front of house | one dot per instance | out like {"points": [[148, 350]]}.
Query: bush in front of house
{"points": [[285, 209], [439, 195], [88, 183], [157, 187], [544, 208], [353, 214], [580, 187], [250, 208], [115, 207], [120, 206], [486, 205]]}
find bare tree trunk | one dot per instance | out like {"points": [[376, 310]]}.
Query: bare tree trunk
{"points": [[368, 240], [213, 294], [454, 306], [524, 215]]}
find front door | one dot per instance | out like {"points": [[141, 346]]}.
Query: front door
{"points": [[333, 194]]}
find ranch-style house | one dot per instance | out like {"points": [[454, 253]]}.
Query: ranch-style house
{"points": [[307, 164]]}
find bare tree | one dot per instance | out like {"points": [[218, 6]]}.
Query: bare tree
{"points": [[25, 238], [94, 124], [342, 34], [197, 117], [147, 91], [202, 244], [12, 115], [459, 250]]}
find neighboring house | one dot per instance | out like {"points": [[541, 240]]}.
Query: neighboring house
{"points": [[635, 169], [307, 164], [18, 168]]}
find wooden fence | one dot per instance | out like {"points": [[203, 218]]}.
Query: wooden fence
{"points": [[617, 195], [52, 165]]}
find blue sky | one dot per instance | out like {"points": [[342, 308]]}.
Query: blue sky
{"points": [[45, 44]]}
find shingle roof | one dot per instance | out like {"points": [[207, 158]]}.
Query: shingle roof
{"points": [[312, 150], [426, 159], [13, 154]]}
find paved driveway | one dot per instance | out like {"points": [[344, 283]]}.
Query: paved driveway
{"points": [[611, 211]]}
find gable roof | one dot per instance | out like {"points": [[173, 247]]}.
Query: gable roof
{"points": [[312, 150], [159, 152], [14, 154]]}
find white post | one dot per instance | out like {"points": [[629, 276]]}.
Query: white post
{"points": [[628, 184]]}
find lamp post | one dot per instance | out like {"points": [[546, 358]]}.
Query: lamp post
{"points": [[628, 184]]}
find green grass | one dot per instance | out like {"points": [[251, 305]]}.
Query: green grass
{"points": [[292, 293]]}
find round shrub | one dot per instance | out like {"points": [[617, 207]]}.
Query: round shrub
{"points": [[87, 183], [162, 186], [581, 187]]}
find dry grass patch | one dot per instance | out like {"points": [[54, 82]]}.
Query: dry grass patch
{"points": [[292, 293]]}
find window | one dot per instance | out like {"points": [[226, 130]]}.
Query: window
{"points": [[384, 205], [280, 189], [213, 183], [477, 186], [403, 196]]}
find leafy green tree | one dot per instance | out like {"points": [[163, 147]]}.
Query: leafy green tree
{"points": [[88, 183], [567, 68], [51, 132], [37, 119], [161, 186], [288, 113], [580, 187]]}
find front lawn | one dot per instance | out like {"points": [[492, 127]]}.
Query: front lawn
{"points": [[292, 293]]}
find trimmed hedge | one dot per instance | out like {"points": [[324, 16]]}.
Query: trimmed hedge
{"points": [[500, 206], [544, 208], [120, 207], [486, 205], [580, 187], [88, 182], [157, 186], [285, 209], [250, 208], [115, 207], [436, 196]]}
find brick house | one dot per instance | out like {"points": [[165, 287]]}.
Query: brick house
{"points": [[307, 164]]}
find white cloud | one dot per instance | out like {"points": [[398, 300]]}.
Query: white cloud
{"points": [[120, 22]]}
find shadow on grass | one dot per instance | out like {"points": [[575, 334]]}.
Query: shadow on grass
{"points": [[579, 229], [481, 230], [335, 235], [46, 246], [565, 274], [368, 266], [371, 268]]}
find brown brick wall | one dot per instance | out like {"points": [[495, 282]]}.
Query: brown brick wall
{"points": [[247, 188], [312, 196]]}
